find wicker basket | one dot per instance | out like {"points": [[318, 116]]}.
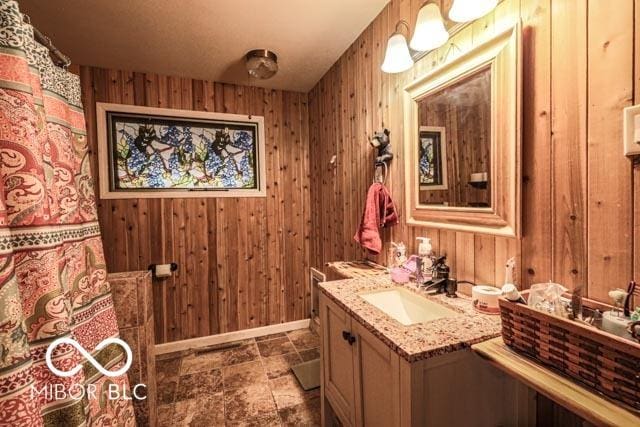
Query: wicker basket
{"points": [[601, 361]]}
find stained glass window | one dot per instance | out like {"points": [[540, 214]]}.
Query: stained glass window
{"points": [[160, 153]]}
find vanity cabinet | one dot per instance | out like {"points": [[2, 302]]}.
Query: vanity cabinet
{"points": [[376, 379], [360, 373], [337, 360], [366, 383]]}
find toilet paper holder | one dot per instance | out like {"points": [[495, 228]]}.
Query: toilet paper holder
{"points": [[152, 268]]}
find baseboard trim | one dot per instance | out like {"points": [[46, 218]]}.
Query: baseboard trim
{"points": [[244, 334]]}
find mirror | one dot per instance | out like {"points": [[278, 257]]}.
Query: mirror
{"points": [[462, 141], [454, 137]]}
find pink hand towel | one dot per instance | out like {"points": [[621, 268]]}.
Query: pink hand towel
{"points": [[379, 211]]}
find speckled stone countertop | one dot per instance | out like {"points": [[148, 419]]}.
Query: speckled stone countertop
{"points": [[418, 341]]}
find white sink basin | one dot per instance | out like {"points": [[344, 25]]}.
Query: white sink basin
{"points": [[405, 306]]}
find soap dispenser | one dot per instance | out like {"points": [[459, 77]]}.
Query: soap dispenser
{"points": [[425, 260]]}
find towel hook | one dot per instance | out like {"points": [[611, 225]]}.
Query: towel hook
{"points": [[381, 172]]}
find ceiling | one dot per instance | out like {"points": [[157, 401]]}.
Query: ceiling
{"points": [[205, 39]]}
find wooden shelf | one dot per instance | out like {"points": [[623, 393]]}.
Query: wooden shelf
{"points": [[591, 406]]}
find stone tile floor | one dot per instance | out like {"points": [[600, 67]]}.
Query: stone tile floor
{"points": [[247, 385]]}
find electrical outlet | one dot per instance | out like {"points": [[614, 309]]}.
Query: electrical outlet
{"points": [[631, 133]]}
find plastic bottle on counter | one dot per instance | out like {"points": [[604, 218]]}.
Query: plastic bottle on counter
{"points": [[425, 260]]}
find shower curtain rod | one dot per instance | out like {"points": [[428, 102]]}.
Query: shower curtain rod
{"points": [[59, 58]]}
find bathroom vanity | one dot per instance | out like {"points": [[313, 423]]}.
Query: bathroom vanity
{"points": [[393, 356]]}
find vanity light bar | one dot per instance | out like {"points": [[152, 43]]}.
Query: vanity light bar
{"points": [[430, 32]]}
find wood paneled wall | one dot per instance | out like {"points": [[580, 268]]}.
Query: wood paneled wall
{"points": [[242, 262], [578, 188]]}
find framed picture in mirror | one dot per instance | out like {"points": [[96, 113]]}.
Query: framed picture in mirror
{"points": [[432, 161]]}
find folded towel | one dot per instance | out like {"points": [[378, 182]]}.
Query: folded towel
{"points": [[379, 211]]}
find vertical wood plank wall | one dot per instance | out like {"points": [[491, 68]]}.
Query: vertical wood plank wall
{"points": [[243, 262], [578, 188]]}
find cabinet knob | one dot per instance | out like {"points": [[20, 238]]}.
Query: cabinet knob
{"points": [[348, 337]]}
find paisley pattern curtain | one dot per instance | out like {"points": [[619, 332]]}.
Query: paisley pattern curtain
{"points": [[52, 269]]}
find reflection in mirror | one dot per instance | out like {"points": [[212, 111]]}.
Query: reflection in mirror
{"points": [[454, 144]]}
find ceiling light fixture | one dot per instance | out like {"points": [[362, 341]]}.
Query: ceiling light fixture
{"points": [[468, 10], [397, 57], [261, 64], [430, 32]]}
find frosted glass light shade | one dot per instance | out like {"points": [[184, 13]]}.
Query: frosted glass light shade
{"points": [[430, 32], [397, 57], [468, 10]]}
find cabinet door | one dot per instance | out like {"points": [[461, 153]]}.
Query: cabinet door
{"points": [[377, 379], [337, 360]]}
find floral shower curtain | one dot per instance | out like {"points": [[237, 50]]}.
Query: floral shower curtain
{"points": [[52, 269]]}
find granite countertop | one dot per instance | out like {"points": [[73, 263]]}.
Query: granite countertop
{"points": [[418, 341]]}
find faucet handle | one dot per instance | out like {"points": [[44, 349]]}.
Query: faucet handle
{"points": [[441, 260], [440, 269]]}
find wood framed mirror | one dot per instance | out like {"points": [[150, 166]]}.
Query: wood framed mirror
{"points": [[462, 141]]}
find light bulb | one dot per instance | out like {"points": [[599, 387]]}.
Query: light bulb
{"points": [[468, 10], [397, 57], [430, 32]]}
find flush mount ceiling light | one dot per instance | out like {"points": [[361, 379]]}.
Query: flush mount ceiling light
{"points": [[397, 57], [261, 63], [430, 32], [468, 10]]}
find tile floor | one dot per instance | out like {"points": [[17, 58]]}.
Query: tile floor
{"points": [[247, 385]]}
